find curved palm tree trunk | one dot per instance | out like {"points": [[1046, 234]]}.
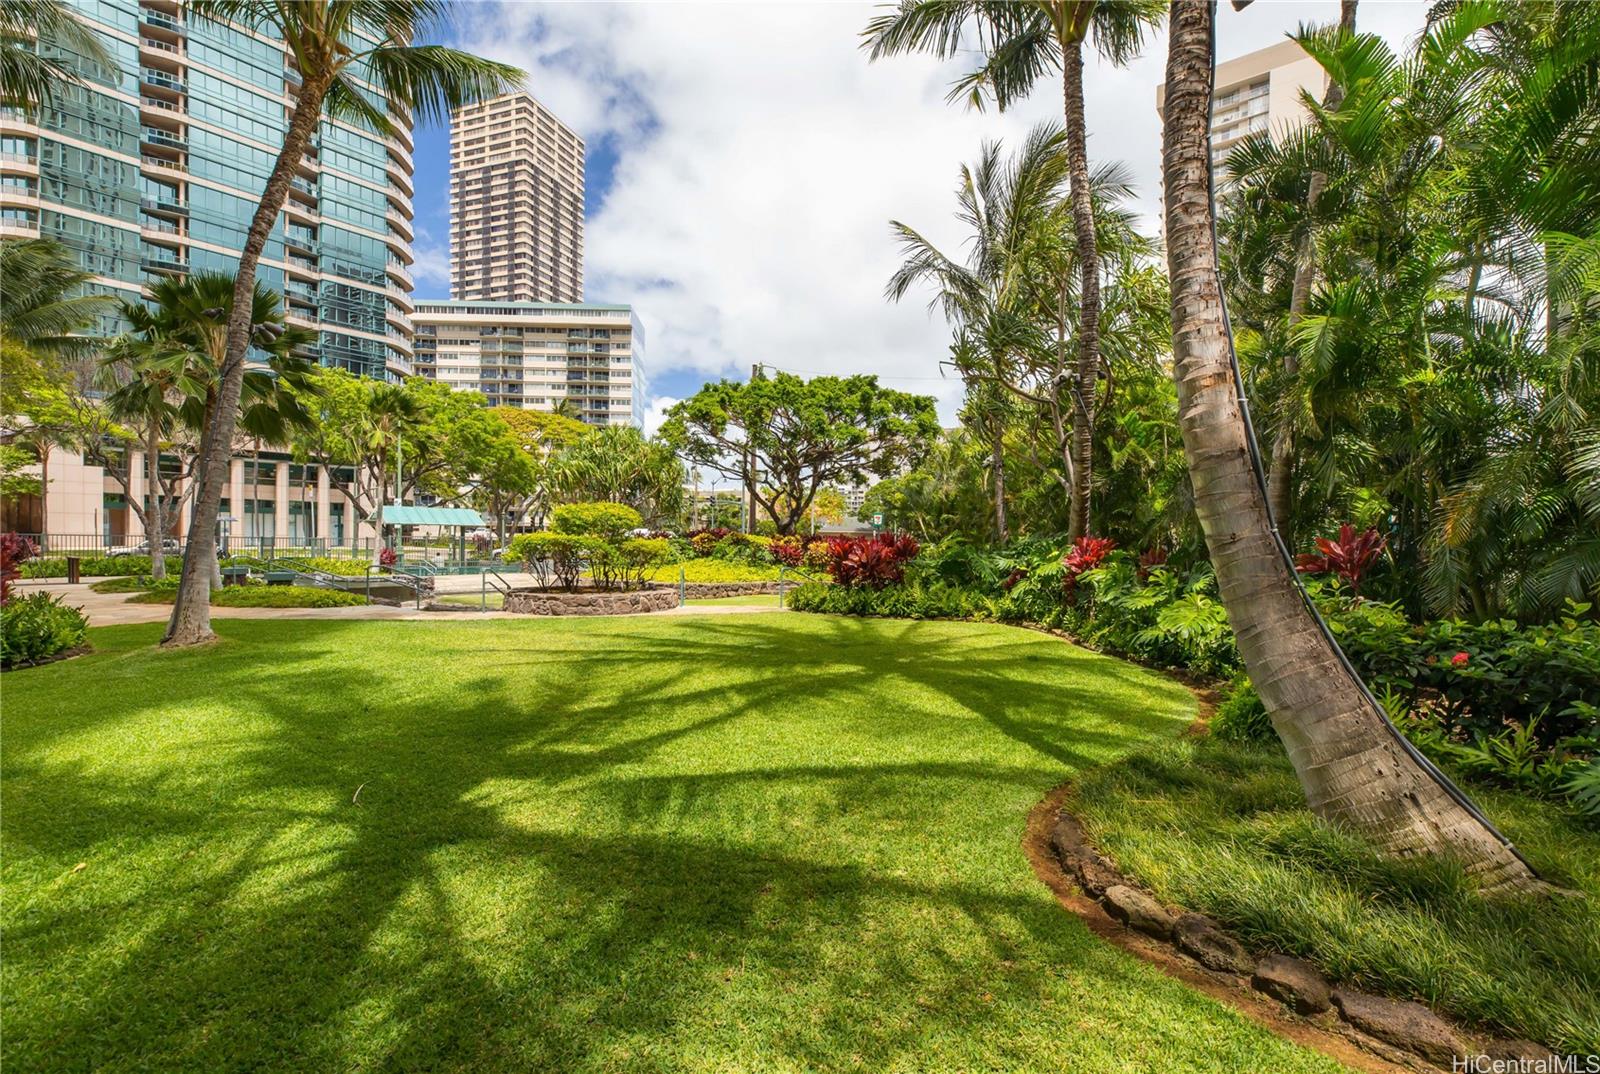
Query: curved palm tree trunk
{"points": [[155, 528], [1354, 769], [1088, 291], [191, 613], [1280, 480]]}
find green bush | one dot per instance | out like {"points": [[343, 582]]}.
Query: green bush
{"points": [[96, 566], [908, 600], [554, 559], [607, 520], [748, 548], [1241, 717], [36, 627]]}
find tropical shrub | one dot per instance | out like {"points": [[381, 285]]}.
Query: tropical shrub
{"points": [[1086, 554], [36, 627], [817, 557], [743, 548], [14, 549], [624, 565], [789, 550], [1350, 556], [874, 562], [55, 566], [913, 600], [607, 520], [1240, 716], [554, 559], [387, 557]]}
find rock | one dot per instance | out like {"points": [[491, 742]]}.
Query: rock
{"points": [[1514, 1051], [1138, 911], [1404, 1024], [1293, 982], [1067, 837], [1093, 873], [1199, 937]]}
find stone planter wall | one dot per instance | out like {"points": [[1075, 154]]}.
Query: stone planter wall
{"points": [[712, 590], [590, 602]]}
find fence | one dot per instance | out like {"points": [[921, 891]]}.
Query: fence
{"points": [[57, 545]]}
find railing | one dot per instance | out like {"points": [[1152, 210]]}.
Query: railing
{"points": [[167, 138], [157, 102], [159, 18], [160, 78], [161, 162], [160, 46]]}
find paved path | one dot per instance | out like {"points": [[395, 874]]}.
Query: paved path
{"points": [[113, 609]]}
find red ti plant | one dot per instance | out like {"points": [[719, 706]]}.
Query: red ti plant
{"points": [[1085, 554], [386, 557], [1351, 556], [788, 551], [874, 562], [1149, 561], [14, 548]]}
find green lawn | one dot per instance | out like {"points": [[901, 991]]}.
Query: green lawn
{"points": [[751, 600], [734, 843], [1224, 829]]}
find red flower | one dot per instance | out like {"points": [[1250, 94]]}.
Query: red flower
{"points": [[1459, 659], [1086, 554]]}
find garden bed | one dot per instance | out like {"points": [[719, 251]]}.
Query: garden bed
{"points": [[591, 601]]}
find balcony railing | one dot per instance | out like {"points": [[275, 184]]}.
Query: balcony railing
{"points": [[160, 78], [155, 223], [157, 102], [161, 162], [157, 136], [160, 46], [154, 260], [162, 19]]}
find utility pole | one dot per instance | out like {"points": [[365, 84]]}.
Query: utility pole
{"points": [[750, 462]]}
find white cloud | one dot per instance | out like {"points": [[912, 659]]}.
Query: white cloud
{"points": [[432, 263], [657, 413], [761, 157]]}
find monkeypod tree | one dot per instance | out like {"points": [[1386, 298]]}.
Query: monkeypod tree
{"points": [[784, 438]]}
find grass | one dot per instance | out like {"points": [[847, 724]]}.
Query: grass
{"points": [[751, 600], [1223, 829], [734, 843], [123, 584], [261, 596], [493, 600]]}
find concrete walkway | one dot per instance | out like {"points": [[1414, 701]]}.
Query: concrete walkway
{"points": [[113, 609]]}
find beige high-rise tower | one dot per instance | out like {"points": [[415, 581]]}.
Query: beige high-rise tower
{"points": [[516, 204]]}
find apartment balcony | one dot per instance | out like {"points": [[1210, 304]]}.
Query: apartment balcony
{"points": [[400, 200], [400, 298], [305, 266], [156, 226], [174, 164], [165, 55], [397, 318], [160, 259], [400, 175], [13, 227], [162, 81], [160, 23], [397, 272], [300, 239], [163, 139], [303, 189], [294, 208], [400, 223], [156, 109], [399, 249], [19, 164], [299, 292]]}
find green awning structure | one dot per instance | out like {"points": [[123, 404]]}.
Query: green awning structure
{"points": [[399, 514]]}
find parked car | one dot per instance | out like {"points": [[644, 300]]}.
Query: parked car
{"points": [[169, 547]]}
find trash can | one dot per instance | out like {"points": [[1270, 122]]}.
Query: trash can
{"points": [[73, 564]]}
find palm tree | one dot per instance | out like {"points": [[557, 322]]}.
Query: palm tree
{"points": [[1355, 768], [40, 315], [165, 374], [29, 79], [334, 43], [389, 412], [567, 407], [1020, 42]]}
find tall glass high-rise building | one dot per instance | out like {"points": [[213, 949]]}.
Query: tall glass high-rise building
{"points": [[156, 167]]}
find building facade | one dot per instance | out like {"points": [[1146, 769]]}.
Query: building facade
{"points": [[537, 355], [155, 169], [516, 204], [1258, 93]]}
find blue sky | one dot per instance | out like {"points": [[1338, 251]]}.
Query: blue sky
{"points": [[745, 161]]}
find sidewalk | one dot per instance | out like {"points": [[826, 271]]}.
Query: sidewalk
{"points": [[113, 609]]}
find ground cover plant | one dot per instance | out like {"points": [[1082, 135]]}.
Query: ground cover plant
{"points": [[1223, 829], [260, 596], [618, 844]]}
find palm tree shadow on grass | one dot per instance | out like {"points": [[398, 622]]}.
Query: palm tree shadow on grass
{"points": [[352, 951]]}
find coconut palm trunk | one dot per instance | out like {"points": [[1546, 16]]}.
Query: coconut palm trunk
{"points": [[191, 613], [154, 521], [1088, 289], [1280, 479], [1354, 768]]}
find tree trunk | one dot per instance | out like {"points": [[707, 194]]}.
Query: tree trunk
{"points": [[44, 495], [191, 613], [997, 463], [1280, 481], [155, 527], [1089, 292], [377, 513], [1352, 765]]}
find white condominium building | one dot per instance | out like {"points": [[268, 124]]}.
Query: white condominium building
{"points": [[1258, 93], [537, 355], [516, 204]]}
